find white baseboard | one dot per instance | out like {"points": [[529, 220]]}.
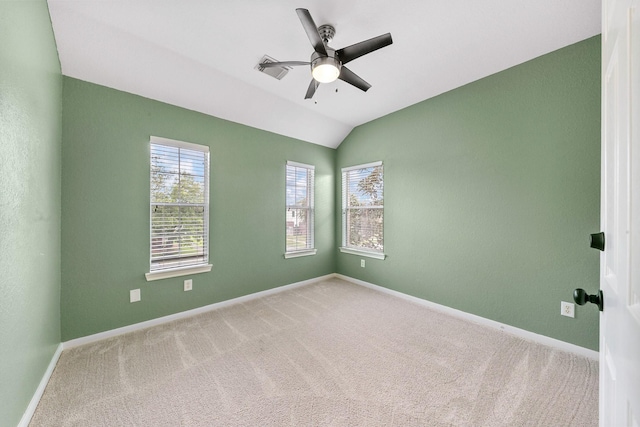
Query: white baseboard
{"points": [[521, 333], [160, 320], [33, 404]]}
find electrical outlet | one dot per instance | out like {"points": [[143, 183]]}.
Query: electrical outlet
{"points": [[134, 295], [188, 285], [567, 309], [362, 263]]}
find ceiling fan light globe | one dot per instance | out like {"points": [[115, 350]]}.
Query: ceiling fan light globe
{"points": [[325, 73], [325, 69]]}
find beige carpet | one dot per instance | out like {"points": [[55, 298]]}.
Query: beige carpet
{"points": [[327, 354]]}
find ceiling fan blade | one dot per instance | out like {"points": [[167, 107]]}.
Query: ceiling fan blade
{"points": [[312, 89], [354, 51], [283, 64], [352, 78], [311, 29]]}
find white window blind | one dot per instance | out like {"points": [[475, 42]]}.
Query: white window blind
{"points": [[299, 216], [179, 204], [363, 207]]}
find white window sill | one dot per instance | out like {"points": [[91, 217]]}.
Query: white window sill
{"points": [[300, 253], [176, 272], [360, 252]]}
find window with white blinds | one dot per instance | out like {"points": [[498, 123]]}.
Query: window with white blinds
{"points": [[179, 205], [363, 210], [299, 216]]}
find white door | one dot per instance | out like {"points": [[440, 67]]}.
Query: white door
{"points": [[620, 215]]}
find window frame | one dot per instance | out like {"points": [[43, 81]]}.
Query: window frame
{"points": [[355, 250], [310, 233], [195, 268]]}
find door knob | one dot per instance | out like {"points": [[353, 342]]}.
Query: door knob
{"points": [[581, 297], [597, 241]]}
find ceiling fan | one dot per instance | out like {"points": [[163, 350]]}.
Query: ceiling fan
{"points": [[327, 64]]}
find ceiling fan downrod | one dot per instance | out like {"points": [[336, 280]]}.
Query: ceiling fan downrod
{"points": [[327, 33]]}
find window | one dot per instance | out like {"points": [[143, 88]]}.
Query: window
{"points": [[179, 208], [299, 210], [363, 210]]}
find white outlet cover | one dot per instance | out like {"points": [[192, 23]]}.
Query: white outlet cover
{"points": [[188, 285], [362, 263], [134, 295], [567, 309]]}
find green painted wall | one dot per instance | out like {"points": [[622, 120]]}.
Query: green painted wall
{"points": [[30, 138], [105, 212], [491, 192]]}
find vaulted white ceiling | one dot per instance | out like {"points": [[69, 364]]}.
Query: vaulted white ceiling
{"points": [[201, 54]]}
